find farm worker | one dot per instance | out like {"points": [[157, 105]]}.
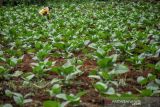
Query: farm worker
{"points": [[45, 12]]}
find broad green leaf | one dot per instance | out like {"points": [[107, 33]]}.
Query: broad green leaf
{"points": [[8, 93], [38, 45], [62, 96], [13, 61], [119, 69], [79, 94], [67, 64], [1, 53], [146, 92], [18, 100], [95, 76], [50, 103], [7, 105], [86, 42], [68, 70], [42, 54], [55, 80], [80, 62], [105, 75], [73, 75], [155, 92], [2, 69], [59, 45], [100, 86], [72, 98], [106, 62], [152, 86], [157, 66], [17, 73], [56, 69], [141, 80], [151, 77], [101, 52], [56, 89], [27, 100], [110, 91], [114, 57], [2, 59], [157, 81], [29, 77]]}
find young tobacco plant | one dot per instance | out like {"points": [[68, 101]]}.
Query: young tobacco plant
{"points": [[107, 70], [18, 98], [150, 85], [42, 67]]}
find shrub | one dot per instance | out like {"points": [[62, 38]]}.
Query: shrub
{"points": [[26, 2]]}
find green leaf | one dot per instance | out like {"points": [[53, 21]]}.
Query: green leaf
{"points": [[65, 103], [18, 94], [56, 89], [101, 87], [157, 66], [13, 61], [157, 81], [69, 70], [152, 86], [27, 100], [151, 77], [67, 64], [38, 45], [86, 42], [114, 57], [56, 69], [50, 103], [119, 69], [29, 77], [141, 80], [146, 92], [59, 45], [8, 93], [105, 75], [42, 54], [156, 92], [79, 94], [2, 59], [93, 45], [95, 76], [2, 69], [7, 105], [100, 52], [93, 72], [1, 53], [55, 80], [73, 75], [38, 69], [72, 98], [106, 62], [110, 91], [17, 73], [79, 62], [18, 100], [62, 96]]}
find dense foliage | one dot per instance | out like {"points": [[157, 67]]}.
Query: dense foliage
{"points": [[16, 2], [115, 45], [31, 2]]}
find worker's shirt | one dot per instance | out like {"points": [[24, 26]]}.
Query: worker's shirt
{"points": [[44, 11]]}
